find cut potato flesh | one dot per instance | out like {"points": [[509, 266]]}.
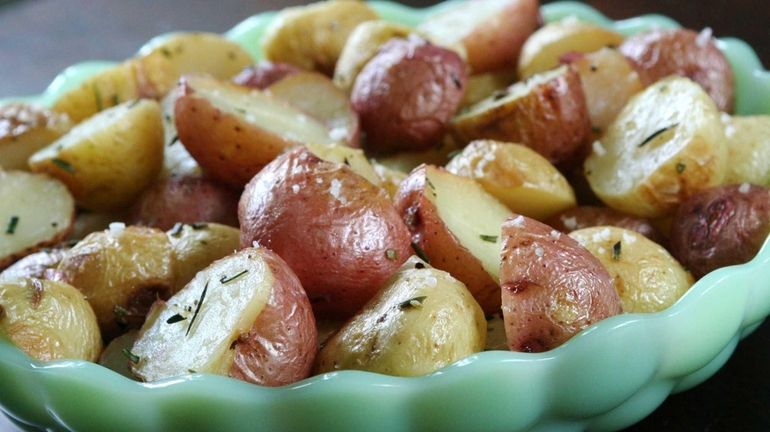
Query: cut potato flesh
{"points": [[35, 211], [749, 148], [220, 304], [25, 129], [354, 158], [665, 145]]}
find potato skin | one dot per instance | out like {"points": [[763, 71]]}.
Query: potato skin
{"points": [[578, 218], [406, 95], [552, 287], [186, 200], [661, 53], [264, 74], [721, 226], [36, 265], [25, 129], [331, 226]]}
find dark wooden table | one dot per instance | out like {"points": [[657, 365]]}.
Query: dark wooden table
{"points": [[38, 38]]}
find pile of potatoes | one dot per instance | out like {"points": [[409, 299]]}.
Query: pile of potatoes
{"points": [[372, 196]]}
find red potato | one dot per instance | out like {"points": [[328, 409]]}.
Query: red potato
{"points": [[661, 53], [578, 218], [185, 200], [722, 226], [552, 287], [337, 231], [244, 316], [406, 95], [264, 74], [492, 31]]}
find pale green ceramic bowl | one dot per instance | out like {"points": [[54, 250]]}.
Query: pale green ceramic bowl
{"points": [[608, 377]]}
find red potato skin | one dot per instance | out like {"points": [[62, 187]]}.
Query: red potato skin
{"points": [[588, 216], [542, 273], [338, 249], [719, 227], [441, 247], [39, 265], [186, 200], [406, 95], [281, 346], [264, 74], [661, 53]]}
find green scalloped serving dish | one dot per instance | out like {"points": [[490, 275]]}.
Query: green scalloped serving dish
{"points": [[608, 377]]}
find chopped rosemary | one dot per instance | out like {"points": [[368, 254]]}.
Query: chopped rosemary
{"points": [[420, 253], [174, 140], [97, 97], [63, 164], [133, 103], [596, 129], [176, 231], [115, 100], [412, 303], [346, 161], [175, 319], [199, 226], [192, 371], [489, 238], [226, 279], [391, 254], [197, 308], [12, 224], [656, 134], [616, 251], [166, 53], [680, 167], [231, 55], [427, 180], [456, 81], [133, 358]]}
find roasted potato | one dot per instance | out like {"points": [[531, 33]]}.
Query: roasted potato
{"points": [[482, 86], [37, 265], [422, 320], [667, 144], [578, 218], [313, 36], [455, 225], [646, 277], [546, 113], [185, 200], [233, 131], [197, 245], [121, 272], [658, 54], [25, 129], [352, 157], [609, 81], [177, 161], [114, 355], [49, 320], [337, 231], [264, 74], [364, 42], [721, 226], [390, 179], [245, 316], [491, 31], [406, 95], [35, 211], [318, 97], [109, 159], [748, 149], [552, 288], [517, 176], [545, 48]]}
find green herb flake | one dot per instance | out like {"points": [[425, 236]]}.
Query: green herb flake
{"points": [[453, 153], [199, 226], [427, 180], [133, 103], [64, 165], [231, 55], [174, 140], [133, 358], [680, 167], [176, 231], [115, 100], [12, 224], [166, 53], [192, 371], [175, 319], [656, 134], [616, 249], [391, 254], [346, 161], [596, 129], [415, 302], [420, 253], [226, 279], [489, 238], [197, 308], [97, 97]]}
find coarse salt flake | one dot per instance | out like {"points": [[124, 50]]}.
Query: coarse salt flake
{"points": [[295, 188], [598, 148], [704, 37], [336, 191], [744, 188], [570, 222], [555, 234], [117, 228], [539, 251], [518, 221]]}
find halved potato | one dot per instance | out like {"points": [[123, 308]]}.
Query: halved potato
{"points": [[646, 277], [353, 158], [517, 176], [233, 131], [546, 113], [35, 211], [422, 320], [552, 287], [198, 245], [107, 161], [121, 272], [25, 129], [543, 50], [482, 86], [245, 316], [49, 320], [177, 161], [313, 36], [748, 149], [666, 144], [37, 265], [492, 31], [455, 224]]}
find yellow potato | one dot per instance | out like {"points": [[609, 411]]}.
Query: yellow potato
{"points": [[481, 86], [646, 277], [422, 320], [517, 176], [354, 158], [667, 144], [545, 47], [198, 245], [749, 149], [114, 357], [107, 161], [49, 320], [390, 179], [25, 129], [313, 36]]}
